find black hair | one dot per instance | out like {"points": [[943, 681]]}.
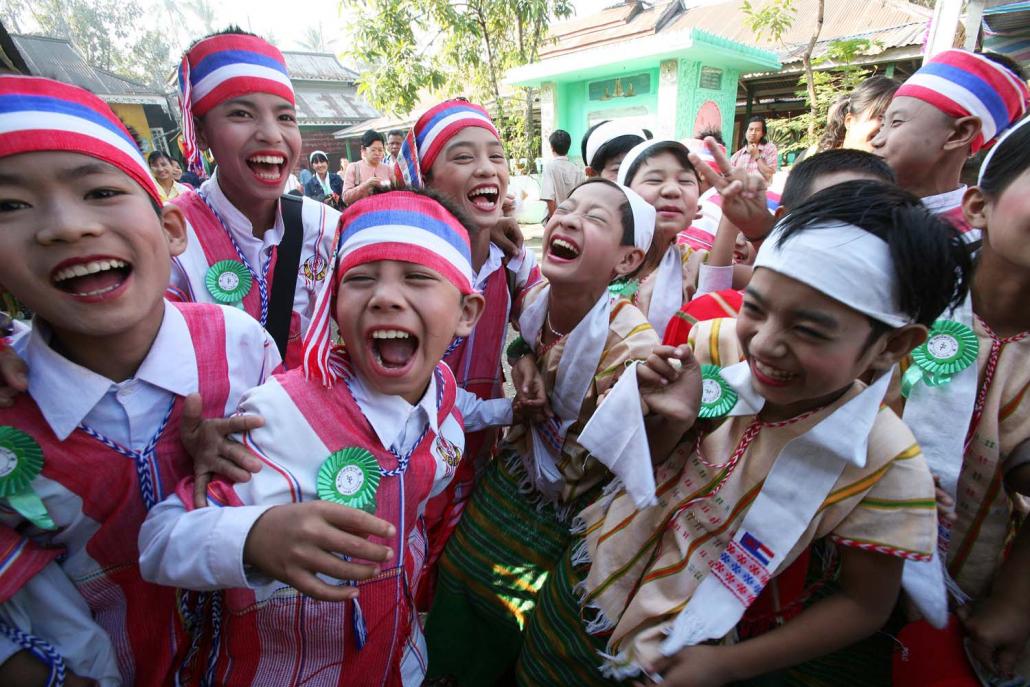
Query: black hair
{"points": [[395, 132], [318, 156], [678, 150], [1007, 163], [1007, 62], [157, 155], [931, 263], [610, 149], [370, 137], [560, 141], [872, 95], [445, 202], [765, 128], [712, 131], [230, 30], [629, 229], [798, 186]]}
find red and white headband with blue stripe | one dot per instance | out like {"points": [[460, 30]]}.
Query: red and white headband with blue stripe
{"points": [[960, 83], [227, 66], [398, 225], [38, 115], [430, 134]]}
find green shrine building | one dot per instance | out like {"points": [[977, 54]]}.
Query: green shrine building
{"points": [[632, 63]]}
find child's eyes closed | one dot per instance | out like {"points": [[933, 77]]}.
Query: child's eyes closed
{"points": [[9, 205]]}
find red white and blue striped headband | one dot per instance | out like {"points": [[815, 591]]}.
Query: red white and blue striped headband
{"points": [[227, 66], [430, 134], [960, 83], [41, 115], [398, 225]]}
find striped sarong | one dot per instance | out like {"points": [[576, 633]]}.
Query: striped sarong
{"points": [[557, 649], [496, 561]]}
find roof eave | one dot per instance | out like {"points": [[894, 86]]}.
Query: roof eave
{"points": [[604, 60]]}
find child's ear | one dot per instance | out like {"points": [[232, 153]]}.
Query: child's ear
{"points": [[174, 224], [779, 212], [589, 171], [198, 131], [471, 309], [629, 261], [964, 130], [898, 343], [974, 207]]}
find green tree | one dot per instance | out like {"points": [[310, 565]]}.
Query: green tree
{"points": [[458, 46], [107, 34], [775, 18]]}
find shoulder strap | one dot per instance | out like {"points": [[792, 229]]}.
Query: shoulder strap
{"points": [[284, 280]]}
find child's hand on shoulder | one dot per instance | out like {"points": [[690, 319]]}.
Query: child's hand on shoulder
{"points": [[207, 442], [670, 384], [295, 542], [695, 666]]}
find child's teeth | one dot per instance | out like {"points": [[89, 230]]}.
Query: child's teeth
{"points": [[389, 334], [82, 269], [268, 159]]}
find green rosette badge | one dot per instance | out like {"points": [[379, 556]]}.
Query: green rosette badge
{"points": [[228, 282], [950, 348], [21, 460], [717, 396], [350, 477], [623, 288]]}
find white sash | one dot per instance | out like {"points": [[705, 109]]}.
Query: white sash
{"points": [[576, 369], [939, 418], [802, 476], [667, 296]]}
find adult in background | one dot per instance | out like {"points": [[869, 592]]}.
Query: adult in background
{"points": [[322, 185], [369, 172], [758, 154], [342, 172], [855, 119], [394, 139], [560, 174], [161, 169]]}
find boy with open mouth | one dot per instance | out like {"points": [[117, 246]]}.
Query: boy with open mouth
{"points": [[455, 150], [249, 245], [94, 443], [779, 445], [516, 523], [355, 442]]}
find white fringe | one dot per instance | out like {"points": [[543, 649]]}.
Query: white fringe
{"points": [[579, 525], [581, 554], [600, 623], [618, 667]]}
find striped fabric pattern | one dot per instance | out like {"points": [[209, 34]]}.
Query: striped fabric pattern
{"points": [[38, 114], [431, 132], [960, 84]]}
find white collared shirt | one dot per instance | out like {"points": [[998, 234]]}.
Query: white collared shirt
{"points": [[942, 202]]}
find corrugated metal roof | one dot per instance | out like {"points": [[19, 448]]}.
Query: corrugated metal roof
{"points": [[892, 23], [317, 66], [56, 58], [337, 104]]}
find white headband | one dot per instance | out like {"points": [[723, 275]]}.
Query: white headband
{"points": [[636, 151], [317, 152], [845, 262], [606, 132], [644, 216], [998, 144]]}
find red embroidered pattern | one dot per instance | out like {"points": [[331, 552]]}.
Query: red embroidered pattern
{"points": [[997, 343], [881, 548], [741, 573]]}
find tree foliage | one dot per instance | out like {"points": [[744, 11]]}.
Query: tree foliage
{"points": [[107, 33], [455, 47]]}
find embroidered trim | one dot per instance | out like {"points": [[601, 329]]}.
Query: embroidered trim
{"points": [[881, 548], [741, 572]]}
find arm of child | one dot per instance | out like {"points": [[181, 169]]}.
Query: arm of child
{"points": [[49, 608], [531, 401], [998, 626], [14, 377], [478, 413], [869, 585], [670, 396], [743, 194], [213, 452], [716, 273]]}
